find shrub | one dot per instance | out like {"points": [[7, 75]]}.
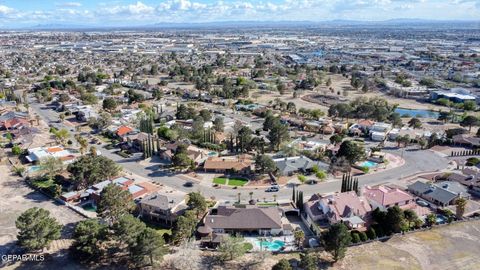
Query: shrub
{"points": [[321, 175], [371, 233], [302, 178], [473, 161], [363, 236], [365, 169], [16, 150], [355, 237]]}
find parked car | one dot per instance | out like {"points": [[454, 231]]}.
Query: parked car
{"points": [[272, 189]]}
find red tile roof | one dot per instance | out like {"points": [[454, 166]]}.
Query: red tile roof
{"points": [[124, 130], [385, 195]]}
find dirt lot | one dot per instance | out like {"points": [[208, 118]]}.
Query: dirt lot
{"points": [[450, 247], [16, 197]]}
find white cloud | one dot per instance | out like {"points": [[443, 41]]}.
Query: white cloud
{"points": [[69, 4], [4, 10]]}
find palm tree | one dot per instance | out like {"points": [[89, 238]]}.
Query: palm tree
{"points": [[239, 194], [83, 144], [299, 236], [251, 195], [274, 197], [461, 203]]}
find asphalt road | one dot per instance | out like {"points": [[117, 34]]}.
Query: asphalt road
{"points": [[416, 162]]}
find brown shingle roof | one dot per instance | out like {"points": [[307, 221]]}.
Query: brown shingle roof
{"points": [[245, 218]]}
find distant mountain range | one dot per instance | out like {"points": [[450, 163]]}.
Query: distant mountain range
{"points": [[266, 24]]}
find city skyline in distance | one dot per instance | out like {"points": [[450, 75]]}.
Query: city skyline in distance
{"points": [[126, 13]]}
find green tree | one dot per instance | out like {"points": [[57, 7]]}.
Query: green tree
{"points": [[61, 135], [460, 204], [336, 240], [469, 105], [431, 219], [299, 237], [197, 203], [206, 115], [149, 248], [308, 261], [218, 124], [231, 248], [114, 203], [244, 138], [185, 226], [352, 151], [469, 121], [265, 164], [89, 238], [36, 229], [127, 229], [283, 264], [91, 169], [52, 166], [394, 220], [180, 158], [109, 104], [410, 217], [278, 134], [415, 123]]}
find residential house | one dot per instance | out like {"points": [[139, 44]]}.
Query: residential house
{"points": [[123, 131], [135, 190], [37, 154], [345, 207], [384, 197], [300, 164], [13, 120], [441, 193], [466, 140], [241, 164], [163, 206], [248, 219]]}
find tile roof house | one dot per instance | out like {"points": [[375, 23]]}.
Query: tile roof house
{"points": [[36, 154], [384, 197], [123, 131], [345, 207], [135, 190], [239, 164], [441, 193], [251, 219], [292, 165]]}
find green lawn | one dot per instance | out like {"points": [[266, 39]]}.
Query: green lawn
{"points": [[236, 182], [43, 184], [220, 180]]}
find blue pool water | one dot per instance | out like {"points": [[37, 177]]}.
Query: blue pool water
{"points": [[35, 168], [271, 246], [441, 219], [417, 113], [368, 164]]}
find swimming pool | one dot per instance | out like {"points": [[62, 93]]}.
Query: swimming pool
{"points": [[417, 113], [89, 207], [368, 164], [34, 168], [441, 219], [275, 245]]}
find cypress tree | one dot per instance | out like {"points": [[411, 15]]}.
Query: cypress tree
{"points": [[293, 194]]}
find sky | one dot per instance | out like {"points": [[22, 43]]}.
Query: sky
{"points": [[20, 13]]}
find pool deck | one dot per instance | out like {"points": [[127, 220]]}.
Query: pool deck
{"points": [[288, 239]]}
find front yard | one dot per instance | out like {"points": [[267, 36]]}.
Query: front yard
{"points": [[235, 182]]}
